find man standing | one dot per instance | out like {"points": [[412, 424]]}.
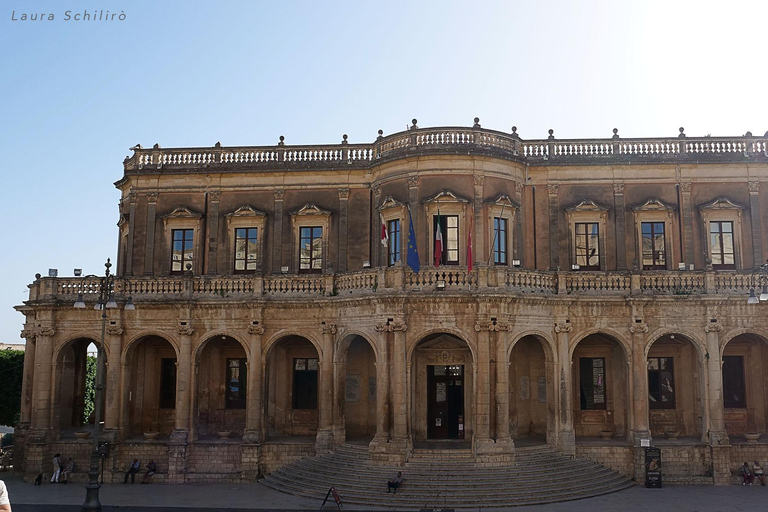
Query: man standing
{"points": [[5, 502], [132, 470]]}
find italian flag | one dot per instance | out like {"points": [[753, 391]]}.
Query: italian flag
{"points": [[384, 234], [438, 242], [469, 245]]}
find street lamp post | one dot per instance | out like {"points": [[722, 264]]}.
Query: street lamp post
{"points": [[759, 280], [106, 300]]}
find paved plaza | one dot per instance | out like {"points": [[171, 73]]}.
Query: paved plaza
{"points": [[253, 496]]}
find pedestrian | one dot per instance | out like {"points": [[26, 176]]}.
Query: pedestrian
{"points": [[395, 482], [56, 468], [758, 469], [132, 470], [747, 475], [69, 467], [151, 470], [5, 502]]}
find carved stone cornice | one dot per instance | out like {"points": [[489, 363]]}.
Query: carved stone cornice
{"points": [[329, 329], [484, 325], [114, 330], [186, 330], [256, 329], [563, 327], [710, 327]]}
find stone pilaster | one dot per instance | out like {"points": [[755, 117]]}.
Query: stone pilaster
{"points": [[184, 378], [478, 240], [566, 437], [554, 227], [757, 230], [113, 377], [687, 213], [27, 383], [212, 233], [324, 440], [640, 426], [621, 228], [399, 446], [253, 411], [128, 266], [343, 228], [149, 247], [42, 392], [277, 232], [715, 406], [382, 392]]}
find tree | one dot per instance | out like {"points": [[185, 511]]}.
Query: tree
{"points": [[11, 376], [90, 388]]}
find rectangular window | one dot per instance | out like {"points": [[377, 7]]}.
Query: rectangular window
{"points": [[654, 246], [305, 383], [393, 250], [182, 250], [499, 241], [734, 390], [592, 382], [246, 257], [587, 245], [311, 250], [661, 383], [449, 227], [237, 383], [721, 245], [168, 383]]}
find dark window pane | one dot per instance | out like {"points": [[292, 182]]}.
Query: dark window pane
{"points": [[734, 395], [592, 382], [237, 383], [305, 383], [661, 383], [167, 383]]}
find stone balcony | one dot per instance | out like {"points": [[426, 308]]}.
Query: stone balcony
{"points": [[455, 140], [401, 280]]}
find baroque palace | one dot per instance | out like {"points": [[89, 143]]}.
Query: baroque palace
{"points": [[461, 285]]}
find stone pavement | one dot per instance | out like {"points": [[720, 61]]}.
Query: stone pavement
{"points": [[253, 496]]}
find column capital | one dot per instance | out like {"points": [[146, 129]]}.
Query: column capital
{"points": [[329, 328], [713, 327], [638, 328], [391, 326], [563, 327], [114, 330], [256, 329], [186, 330]]}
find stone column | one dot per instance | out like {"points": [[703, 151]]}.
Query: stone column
{"points": [[250, 456], [277, 232], [149, 247], [621, 228], [43, 385], [482, 435], [27, 383], [554, 227], [718, 437], [687, 214], [382, 391], [112, 393], [757, 231], [478, 240], [566, 437], [504, 443], [379, 252], [324, 440], [341, 265], [212, 233], [254, 402], [183, 380], [640, 427]]}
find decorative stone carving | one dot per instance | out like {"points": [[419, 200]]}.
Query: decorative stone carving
{"points": [[343, 193], [713, 327], [754, 187], [618, 188], [391, 326], [279, 193], [685, 186], [563, 327], [29, 334], [519, 187], [215, 195], [638, 328], [255, 329], [329, 329], [186, 330], [46, 331], [484, 325], [152, 197], [413, 181], [552, 189], [114, 330], [479, 179]]}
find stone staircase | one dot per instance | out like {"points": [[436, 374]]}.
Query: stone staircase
{"points": [[448, 478]]}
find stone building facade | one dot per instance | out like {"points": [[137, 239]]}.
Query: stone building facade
{"points": [[604, 309]]}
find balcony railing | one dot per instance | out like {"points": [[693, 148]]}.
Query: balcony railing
{"points": [[402, 280], [416, 140]]}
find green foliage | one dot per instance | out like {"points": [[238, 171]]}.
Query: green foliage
{"points": [[11, 375], [90, 388]]}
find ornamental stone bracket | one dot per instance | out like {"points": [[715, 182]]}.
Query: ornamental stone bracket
{"points": [[46, 331], [491, 326], [329, 328], [256, 329], [638, 328], [391, 326], [186, 330], [713, 327], [114, 330], [563, 327], [29, 334]]}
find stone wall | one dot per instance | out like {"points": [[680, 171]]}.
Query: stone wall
{"points": [[618, 458], [274, 456]]}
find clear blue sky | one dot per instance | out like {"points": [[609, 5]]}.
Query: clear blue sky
{"points": [[77, 94]]}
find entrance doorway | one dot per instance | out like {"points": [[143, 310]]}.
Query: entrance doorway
{"points": [[445, 402]]}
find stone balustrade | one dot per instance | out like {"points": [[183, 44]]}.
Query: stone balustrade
{"points": [[505, 145], [398, 280]]}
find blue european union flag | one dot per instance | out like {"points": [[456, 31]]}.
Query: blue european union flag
{"points": [[413, 252]]}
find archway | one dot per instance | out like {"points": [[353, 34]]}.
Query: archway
{"points": [[600, 386], [359, 391], [443, 377], [530, 412], [72, 409], [151, 393], [221, 377], [675, 386], [291, 392], [745, 389]]}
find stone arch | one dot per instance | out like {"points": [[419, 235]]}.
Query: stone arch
{"points": [[412, 342], [675, 382], [149, 384], [342, 343], [292, 381], [202, 341], [547, 343], [70, 375], [600, 378], [357, 387], [744, 364], [696, 341]]}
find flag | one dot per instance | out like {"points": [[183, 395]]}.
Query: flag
{"points": [[384, 234], [438, 241], [469, 245], [413, 251]]}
